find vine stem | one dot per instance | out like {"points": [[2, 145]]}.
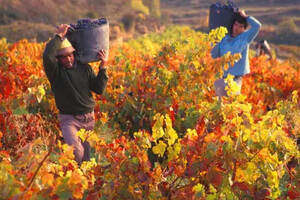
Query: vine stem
{"points": [[41, 164], [289, 171], [37, 170]]}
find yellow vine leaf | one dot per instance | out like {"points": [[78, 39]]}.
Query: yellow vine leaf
{"points": [[199, 190], [170, 132], [92, 138], [68, 153], [160, 148], [75, 177], [104, 117], [88, 165], [173, 151], [48, 179], [82, 134], [295, 96], [157, 129], [191, 132], [250, 174]]}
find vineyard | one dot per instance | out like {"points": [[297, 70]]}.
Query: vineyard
{"points": [[161, 132]]}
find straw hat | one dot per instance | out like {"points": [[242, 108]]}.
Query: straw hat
{"points": [[65, 47]]}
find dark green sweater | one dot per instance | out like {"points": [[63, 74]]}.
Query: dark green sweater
{"points": [[72, 87]]}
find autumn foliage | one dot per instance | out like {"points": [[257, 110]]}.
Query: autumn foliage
{"points": [[161, 133]]}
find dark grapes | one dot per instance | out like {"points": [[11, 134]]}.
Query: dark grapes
{"points": [[88, 23]]}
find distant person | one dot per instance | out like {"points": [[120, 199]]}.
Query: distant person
{"points": [[237, 41], [263, 48], [72, 83]]}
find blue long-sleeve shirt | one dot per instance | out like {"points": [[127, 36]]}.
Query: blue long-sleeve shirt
{"points": [[239, 44]]}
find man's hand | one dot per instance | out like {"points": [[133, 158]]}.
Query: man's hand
{"points": [[62, 30], [243, 13], [103, 59]]}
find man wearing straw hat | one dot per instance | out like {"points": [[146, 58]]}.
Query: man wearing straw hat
{"points": [[72, 83]]}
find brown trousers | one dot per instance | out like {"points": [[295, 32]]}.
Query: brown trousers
{"points": [[70, 125]]}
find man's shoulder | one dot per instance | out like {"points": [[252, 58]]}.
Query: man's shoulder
{"points": [[226, 37]]}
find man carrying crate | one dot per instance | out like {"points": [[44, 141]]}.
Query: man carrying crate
{"points": [[72, 83], [237, 41]]}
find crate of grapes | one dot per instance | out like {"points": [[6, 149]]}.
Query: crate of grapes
{"points": [[89, 36], [222, 15]]}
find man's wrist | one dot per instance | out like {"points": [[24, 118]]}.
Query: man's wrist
{"points": [[60, 36], [102, 68], [102, 64]]}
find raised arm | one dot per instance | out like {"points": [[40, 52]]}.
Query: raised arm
{"points": [[49, 59], [98, 83], [49, 55], [254, 27]]}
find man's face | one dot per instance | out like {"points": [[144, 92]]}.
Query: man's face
{"points": [[237, 28], [66, 60]]}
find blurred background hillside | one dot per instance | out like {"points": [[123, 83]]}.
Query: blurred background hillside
{"points": [[36, 19]]}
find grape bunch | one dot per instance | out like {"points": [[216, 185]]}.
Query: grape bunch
{"points": [[230, 5], [88, 23]]}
